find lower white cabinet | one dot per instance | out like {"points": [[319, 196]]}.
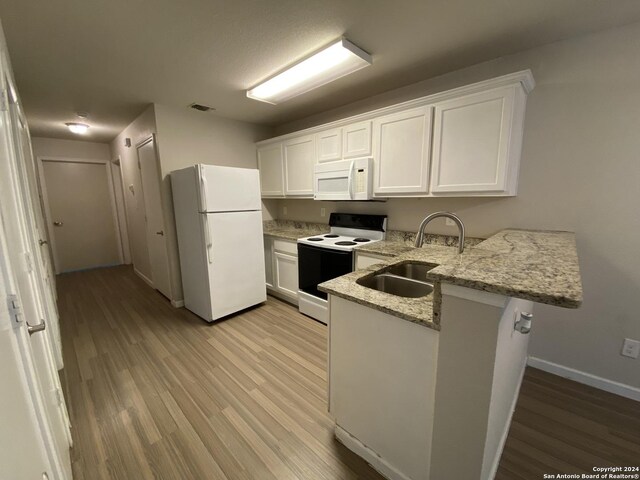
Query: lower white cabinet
{"points": [[281, 267], [364, 260]]}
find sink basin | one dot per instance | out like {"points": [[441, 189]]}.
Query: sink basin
{"points": [[395, 285], [415, 271]]}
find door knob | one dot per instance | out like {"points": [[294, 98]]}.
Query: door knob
{"points": [[161, 232], [36, 328], [58, 224], [42, 242]]}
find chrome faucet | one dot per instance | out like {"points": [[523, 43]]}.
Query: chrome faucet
{"points": [[428, 218]]}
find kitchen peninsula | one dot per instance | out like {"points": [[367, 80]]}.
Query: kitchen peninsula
{"points": [[417, 384]]}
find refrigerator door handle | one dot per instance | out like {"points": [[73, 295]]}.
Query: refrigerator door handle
{"points": [[203, 189], [207, 239]]}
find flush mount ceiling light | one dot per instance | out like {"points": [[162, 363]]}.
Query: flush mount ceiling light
{"points": [[78, 127], [332, 62]]}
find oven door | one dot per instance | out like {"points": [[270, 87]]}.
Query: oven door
{"points": [[317, 265]]}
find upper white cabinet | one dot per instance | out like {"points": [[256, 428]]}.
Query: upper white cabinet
{"points": [[476, 143], [356, 140], [270, 164], [351, 141], [329, 145], [461, 142], [401, 143], [299, 159]]}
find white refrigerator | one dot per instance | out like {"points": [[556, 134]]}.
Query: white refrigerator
{"points": [[218, 214]]}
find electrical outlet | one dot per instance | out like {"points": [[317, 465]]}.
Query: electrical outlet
{"points": [[449, 223], [323, 212], [630, 348], [284, 210]]}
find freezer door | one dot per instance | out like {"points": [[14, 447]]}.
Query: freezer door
{"points": [[228, 189], [236, 261]]}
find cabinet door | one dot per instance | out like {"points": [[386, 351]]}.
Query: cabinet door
{"points": [[268, 261], [329, 144], [364, 260], [299, 158], [401, 152], [357, 140], [271, 171], [286, 274], [472, 141]]}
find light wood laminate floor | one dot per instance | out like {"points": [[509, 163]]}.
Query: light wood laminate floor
{"points": [[155, 392]]}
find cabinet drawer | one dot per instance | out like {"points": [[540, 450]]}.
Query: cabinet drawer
{"points": [[285, 246]]}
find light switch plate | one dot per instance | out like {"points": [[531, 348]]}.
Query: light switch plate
{"points": [[284, 210], [449, 223], [323, 212]]}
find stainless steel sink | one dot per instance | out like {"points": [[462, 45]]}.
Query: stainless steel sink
{"points": [[395, 285], [415, 271]]}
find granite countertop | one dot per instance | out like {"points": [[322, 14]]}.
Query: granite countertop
{"points": [[292, 230], [540, 266]]}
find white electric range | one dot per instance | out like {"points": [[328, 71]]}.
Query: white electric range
{"points": [[326, 256]]}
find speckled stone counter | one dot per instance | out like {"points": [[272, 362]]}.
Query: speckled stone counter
{"points": [[398, 242], [292, 230], [534, 265]]}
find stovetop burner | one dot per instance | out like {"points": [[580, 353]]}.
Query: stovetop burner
{"points": [[315, 239], [346, 243], [361, 240], [331, 235]]}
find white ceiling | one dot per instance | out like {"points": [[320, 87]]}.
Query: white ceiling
{"points": [[111, 58]]}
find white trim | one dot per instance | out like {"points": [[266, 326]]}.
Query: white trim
{"points": [[378, 463], [47, 211], [585, 378], [505, 433], [473, 295], [523, 77], [146, 279], [177, 303]]}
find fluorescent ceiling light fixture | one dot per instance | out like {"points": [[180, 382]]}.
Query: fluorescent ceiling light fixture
{"points": [[337, 60], [78, 127]]}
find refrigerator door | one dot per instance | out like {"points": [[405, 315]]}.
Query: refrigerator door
{"points": [[228, 189], [235, 258]]}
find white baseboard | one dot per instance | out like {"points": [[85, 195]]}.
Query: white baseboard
{"points": [[378, 463], [610, 386], [505, 434], [143, 277], [177, 303]]}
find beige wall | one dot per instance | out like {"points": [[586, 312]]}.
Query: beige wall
{"points": [[187, 137], [140, 129], [77, 149], [580, 171]]}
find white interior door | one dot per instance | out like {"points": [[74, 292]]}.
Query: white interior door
{"points": [[80, 212], [36, 229], [156, 240], [36, 349]]}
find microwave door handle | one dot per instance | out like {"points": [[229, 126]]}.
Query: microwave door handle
{"points": [[350, 181]]}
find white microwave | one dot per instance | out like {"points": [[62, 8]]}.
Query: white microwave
{"points": [[344, 180]]}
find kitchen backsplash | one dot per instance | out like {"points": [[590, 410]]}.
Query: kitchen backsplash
{"points": [[309, 228]]}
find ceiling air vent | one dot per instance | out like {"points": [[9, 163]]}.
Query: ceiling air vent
{"points": [[200, 107]]}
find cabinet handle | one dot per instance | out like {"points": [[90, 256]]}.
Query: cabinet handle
{"points": [[161, 233], [523, 324], [58, 224], [42, 242]]}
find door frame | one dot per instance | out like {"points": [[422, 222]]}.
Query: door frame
{"points": [[47, 210], [154, 138]]}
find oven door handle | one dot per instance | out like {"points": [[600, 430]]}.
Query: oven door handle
{"points": [[350, 180]]}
